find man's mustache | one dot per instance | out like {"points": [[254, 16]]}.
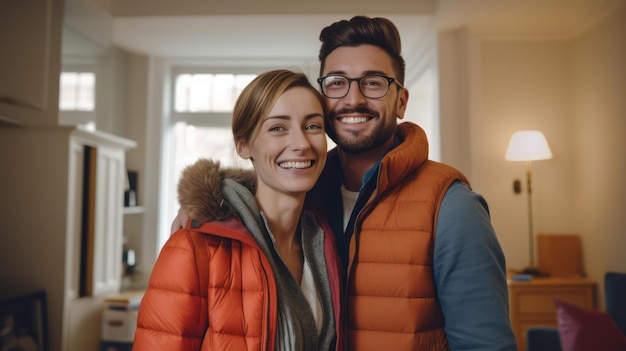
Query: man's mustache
{"points": [[361, 110]]}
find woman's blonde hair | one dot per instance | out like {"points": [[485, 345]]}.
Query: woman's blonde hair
{"points": [[258, 98]]}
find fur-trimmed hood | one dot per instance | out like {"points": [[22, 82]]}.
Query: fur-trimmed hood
{"points": [[200, 190]]}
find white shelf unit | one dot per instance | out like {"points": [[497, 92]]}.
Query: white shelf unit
{"points": [[52, 243]]}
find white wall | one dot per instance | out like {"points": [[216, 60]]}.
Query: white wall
{"points": [[454, 96], [598, 113], [573, 90], [526, 86]]}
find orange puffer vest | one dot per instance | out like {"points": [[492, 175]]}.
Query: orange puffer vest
{"points": [[392, 299]]}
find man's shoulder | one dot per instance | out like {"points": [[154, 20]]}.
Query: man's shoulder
{"points": [[440, 166], [441, 171]]}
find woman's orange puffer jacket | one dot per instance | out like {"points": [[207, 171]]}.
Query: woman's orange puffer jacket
{"points": [[212, 288]]}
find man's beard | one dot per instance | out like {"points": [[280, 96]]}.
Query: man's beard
{"points": [[359, 142]]}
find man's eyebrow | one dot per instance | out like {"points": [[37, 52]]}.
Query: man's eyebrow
{"points": [[343, 73], [336, 73]]}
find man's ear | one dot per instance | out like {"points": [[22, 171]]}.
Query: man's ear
{"points": [[243, 150], [403, 99]]}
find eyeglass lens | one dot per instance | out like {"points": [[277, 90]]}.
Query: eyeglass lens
{"points": [[373, 87]]}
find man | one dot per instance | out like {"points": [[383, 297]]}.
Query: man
{"points": [[423, 267]]}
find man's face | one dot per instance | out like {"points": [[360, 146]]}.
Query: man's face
{"points": [[355, 123]]}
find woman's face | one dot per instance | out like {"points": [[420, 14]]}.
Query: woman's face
{"points": [[289, 147]]}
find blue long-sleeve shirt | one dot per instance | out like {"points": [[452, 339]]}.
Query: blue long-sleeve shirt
{"points": [[470, 275]]}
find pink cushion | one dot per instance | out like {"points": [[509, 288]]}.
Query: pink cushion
{"points": [[582, 329]]}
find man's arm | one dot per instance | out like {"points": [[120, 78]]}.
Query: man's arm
{"points": [[470, 274]]}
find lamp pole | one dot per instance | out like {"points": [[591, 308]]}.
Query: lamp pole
{"points": [[531, 234], [529, 145]]}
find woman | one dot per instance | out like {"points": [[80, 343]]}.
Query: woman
{"points": [[260, 273]]}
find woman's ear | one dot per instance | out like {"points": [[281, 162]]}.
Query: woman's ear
{"points": [[243, 150]]}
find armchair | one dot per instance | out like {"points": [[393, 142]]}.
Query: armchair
{"points": [[615, 295], [547, 339], [543, 339]]}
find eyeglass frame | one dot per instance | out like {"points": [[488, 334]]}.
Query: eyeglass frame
{"points": [[358, 80]]}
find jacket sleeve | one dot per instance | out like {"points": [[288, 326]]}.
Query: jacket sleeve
{"points": [[173, 312], [470, 274]]}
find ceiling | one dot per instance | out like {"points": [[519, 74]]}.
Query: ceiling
{"points": [[290, 28]]}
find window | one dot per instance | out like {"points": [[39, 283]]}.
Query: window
{"points": [[77, 91], [203, 105], [77, 97], [200, 124], [197, 93]]}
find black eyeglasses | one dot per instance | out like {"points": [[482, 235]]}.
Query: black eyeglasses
{"points": [[372, 86]]}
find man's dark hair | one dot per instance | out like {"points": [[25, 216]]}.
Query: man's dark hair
{"points": [[360, 30]]}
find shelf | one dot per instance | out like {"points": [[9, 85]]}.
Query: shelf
{"points": [[133, 209]]}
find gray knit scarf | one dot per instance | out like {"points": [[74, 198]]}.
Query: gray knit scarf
{"points": [[296, 325]]}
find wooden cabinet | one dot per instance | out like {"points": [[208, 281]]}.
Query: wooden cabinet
{"points": [[532, 302], [62, 218]]}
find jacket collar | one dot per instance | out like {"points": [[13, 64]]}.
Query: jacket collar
{"points": [[404, 158], [409, 153], [200, 190]]}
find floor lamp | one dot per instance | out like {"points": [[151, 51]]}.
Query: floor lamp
{"points": [[528, 146]]}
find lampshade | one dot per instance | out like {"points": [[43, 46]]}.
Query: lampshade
{"points": [[528, 145]]}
